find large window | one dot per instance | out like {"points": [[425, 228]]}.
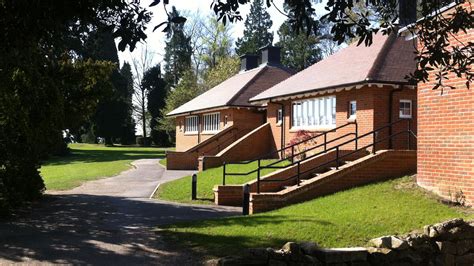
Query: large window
{"points": [[313, 113], [192, 124], [212, 122]]}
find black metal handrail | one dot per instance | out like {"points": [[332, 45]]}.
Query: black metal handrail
{"points": [[338, 158], [282, 150]]}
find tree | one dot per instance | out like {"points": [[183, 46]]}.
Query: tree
{"points": [[217, 42], [45, 86], [299, 50], [127, 135], [157, 90], [140, 66], [225, 68], [256, 32], [177, 52], [186, 90]]}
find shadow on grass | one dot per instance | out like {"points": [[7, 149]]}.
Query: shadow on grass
{"points": [[89, 156], [210, 244]]}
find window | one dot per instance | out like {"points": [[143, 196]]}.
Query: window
{"points": [[279, 119], [352, 109], [192, 124], [405, 109], [212, 122], [314, 112]]}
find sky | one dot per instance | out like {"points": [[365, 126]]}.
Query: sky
{"points": [[156, 40]]}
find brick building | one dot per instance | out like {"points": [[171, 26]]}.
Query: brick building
{"points": [[210, 122], [446, 130], [358, 83]]}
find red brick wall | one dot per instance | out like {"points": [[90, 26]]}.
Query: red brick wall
{"points": [[372, 112], [446, 134]]}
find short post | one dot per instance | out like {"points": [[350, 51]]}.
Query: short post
{"points": [[194, 187], [357, 135], [337, 158], [409, 135], [223, 174], [374, 136], [246, 200]]}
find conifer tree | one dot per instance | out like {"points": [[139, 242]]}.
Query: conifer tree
{"points": [[257, 30]]}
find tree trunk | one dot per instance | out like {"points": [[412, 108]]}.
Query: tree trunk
{"points": [[143, 114]]}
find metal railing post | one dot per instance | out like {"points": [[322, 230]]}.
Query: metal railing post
{"points": [[356, 134], [246, 200], [223, 175], [373, 141], [298, 174], [409, 135], [258, 177], [292, 154], [194, 187], [337, 158]]}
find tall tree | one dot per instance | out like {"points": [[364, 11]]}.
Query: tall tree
{"points": [[299, 50], [257, 30], [225, 68], [128, 128], [156, 89], [186, 90], [177, 51], [217, 42]]}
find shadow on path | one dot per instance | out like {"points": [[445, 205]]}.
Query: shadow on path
{"points": [[89, 229]]}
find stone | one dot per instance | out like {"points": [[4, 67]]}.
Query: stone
{"points": [[279, 255], [439, 230], [380, 256], [464, 246], [308, 248], [258, 253], [467, 259], [391, 242], [213, 262], [447, 247], [291, 247], [341, 255]]}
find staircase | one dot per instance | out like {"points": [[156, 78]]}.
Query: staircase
{"points": [[328, 171]]}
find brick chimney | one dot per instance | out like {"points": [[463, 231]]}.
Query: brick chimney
{"points": [[270, 55], [248, 61]]}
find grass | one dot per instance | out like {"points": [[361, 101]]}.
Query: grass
{"points": [[180, 190], [163, 162], [344, 219], [89, 162]]}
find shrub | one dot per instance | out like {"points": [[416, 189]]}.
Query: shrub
{"points": [[301, 136], [144, 142]]}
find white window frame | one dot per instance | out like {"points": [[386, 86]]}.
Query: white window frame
{"points": [[352, 115], [211, 122], [279, 117], [314, 113], [191, 124], [400, 111]]}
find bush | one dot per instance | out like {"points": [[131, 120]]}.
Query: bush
{"points": [[144, 142]]}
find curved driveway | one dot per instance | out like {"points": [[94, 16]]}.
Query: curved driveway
{"points": [[107, 221]]}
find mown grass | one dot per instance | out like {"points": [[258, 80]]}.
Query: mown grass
{"points": [[89, 162], [348, 218], [163, 162], [180, 190]]}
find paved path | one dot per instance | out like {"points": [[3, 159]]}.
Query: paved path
{"points": [[107, 221]]}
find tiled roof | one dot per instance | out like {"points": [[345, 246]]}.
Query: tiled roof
{"points": [[235, 91], [388, 60]]}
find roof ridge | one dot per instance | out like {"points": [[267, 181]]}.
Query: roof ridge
{"points": [[381, 56], [258, 74]]}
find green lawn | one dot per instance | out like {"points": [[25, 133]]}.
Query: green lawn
{"points": [[348, 218], [163, 162], [180, 190], [89, 162]]}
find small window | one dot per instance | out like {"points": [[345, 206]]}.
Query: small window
{"points": [[192, 124], [405, 109], [279, 116], [352, 109]]}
